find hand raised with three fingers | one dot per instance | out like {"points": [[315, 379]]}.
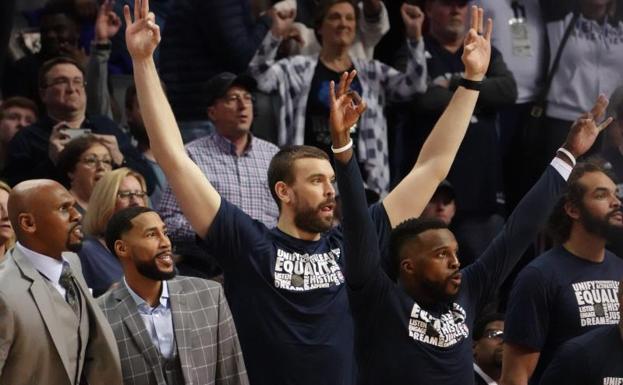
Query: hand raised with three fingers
{"points": [[346, 109], [143, 34], [477, 46], [585, 129]]}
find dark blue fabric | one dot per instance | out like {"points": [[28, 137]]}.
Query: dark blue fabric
{"points": [[289, 333], [28, 158], [203, 38], [595, 358], [552, 301], [397, 340], [100, 268]]}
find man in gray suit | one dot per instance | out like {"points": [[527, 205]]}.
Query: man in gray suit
{"points": [[170, 331], [51, 330]]}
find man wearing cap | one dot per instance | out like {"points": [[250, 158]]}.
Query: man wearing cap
{"points": [[233, 159], [442, 205]]}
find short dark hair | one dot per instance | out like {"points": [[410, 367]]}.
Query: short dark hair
{"points": [[322, 8], [48, 65], [407, 231], [481, 324], [70, 156], [559, 224], [18, 101], [65, 7], [280, 168], [120, 223]]}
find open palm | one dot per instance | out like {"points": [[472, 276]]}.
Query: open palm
{"points": [[346, 105], [477, 46], [143, 34]]}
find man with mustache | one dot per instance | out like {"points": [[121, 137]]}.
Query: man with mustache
{"points": [[419, 331], [173, 330], [488, 349], [571, 289], [51, 330], [286, 284]]}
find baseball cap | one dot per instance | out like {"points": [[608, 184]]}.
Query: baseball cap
{"points": [[219, 84]]}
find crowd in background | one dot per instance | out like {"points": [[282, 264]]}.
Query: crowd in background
{"points": [[246, 78]]}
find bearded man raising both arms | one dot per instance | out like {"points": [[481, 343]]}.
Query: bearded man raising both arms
{"points": [[285, 285]]}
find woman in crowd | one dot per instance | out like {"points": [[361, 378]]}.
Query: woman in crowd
{"points": [[7, 236], [83, 162], [117, 190], [303, 83]]}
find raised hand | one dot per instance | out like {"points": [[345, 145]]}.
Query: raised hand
{"points": [[585, 129], [477, 47], [107, 23], [143, 34], [413, 17], [346, 108], [282, 21]]}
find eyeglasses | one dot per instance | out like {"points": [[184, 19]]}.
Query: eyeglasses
{"points": [[94, 161], [491, 334], [66, 82], [126, 194], [235, 98]]}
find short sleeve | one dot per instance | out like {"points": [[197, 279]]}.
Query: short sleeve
{"points": [[233, 235], [528, 312]]}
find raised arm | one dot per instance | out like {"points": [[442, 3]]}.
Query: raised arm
{"points": [[198, 199], [410, 197]]}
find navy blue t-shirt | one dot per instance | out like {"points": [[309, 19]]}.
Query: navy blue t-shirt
{"points": [[398, 341], [595, 358], [288, 299], [559, 296]]}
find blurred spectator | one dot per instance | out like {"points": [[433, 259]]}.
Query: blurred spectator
{"points": [[303, 84], [34, 150], [372, 24], [15, 113], [137, 130], [117, 190], [593, 358], [612, 150], [518, 35], [590, 63], [59, 37], [7, 236], [488, 349], [571, 289], [442, 205], [475, 173], [203, 38], [83, 162], [235, 162]]}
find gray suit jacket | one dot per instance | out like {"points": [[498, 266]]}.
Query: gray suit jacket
{"points": [[205, 334], [31, 345]]}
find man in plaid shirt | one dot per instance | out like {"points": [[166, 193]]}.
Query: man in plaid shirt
{"points": [[234, 161]]}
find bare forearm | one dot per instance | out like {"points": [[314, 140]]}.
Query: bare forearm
{"points": [[164, 135]]}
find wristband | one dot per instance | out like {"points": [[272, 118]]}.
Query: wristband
{"points": [[568, 154], [470, 84], [346, 147]]}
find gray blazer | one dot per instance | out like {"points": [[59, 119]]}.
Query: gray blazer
{"points": [[205, 334], [31, 342]]}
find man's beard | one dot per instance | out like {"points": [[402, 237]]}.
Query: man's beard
{"points": [[437, 291], [307, 219], [600, 226], [75, 246], [150, 270]]}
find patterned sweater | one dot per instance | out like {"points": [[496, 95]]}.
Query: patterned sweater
{"points": [[292, 78]]}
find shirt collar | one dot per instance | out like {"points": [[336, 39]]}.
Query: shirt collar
{"points": [[140, 302], [51, 268], [228, 147], [484, 375]]}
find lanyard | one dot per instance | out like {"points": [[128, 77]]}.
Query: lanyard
{"points": [[519, 10]]}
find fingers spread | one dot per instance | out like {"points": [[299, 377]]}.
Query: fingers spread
{"points": [[137, 10], [489, 29], [481, 19], [600, 106], [474, 18]]}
